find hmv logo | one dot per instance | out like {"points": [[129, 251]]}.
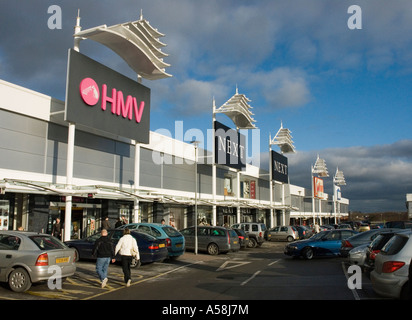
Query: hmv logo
{"points": [[127, 107]]}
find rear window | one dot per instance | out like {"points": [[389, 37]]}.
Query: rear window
{"points": [[47, 242], [233, 234], [171, 232], [394, 245]]}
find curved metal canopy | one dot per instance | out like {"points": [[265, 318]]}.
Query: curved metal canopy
{"points": [[284, 140], [237, 108], [135, 42]]}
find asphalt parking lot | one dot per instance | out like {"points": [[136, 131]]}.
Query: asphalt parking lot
{"points": [[267, 263]]}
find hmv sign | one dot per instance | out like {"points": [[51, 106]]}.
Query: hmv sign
{"points": [[103, 99]]}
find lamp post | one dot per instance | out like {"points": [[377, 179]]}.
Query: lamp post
{"points": [[283, 139], [195, 144], [320, 169], [338, 180]]}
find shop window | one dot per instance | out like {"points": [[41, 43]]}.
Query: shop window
{"points": [[227, 191], [4, 214]]}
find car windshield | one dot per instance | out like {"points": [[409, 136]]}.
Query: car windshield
{"points": [[47, 242], [171, 232], [320, 235]]}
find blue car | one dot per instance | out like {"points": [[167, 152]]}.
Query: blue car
{"points": [[150, 248], [325, 243], [175, 242]]}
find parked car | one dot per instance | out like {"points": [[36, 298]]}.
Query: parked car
{"points": [[243, 238], [304, 232], [377, 244], [324, 243], [288, 233], [399, 224], [25, 258], [213, 240], [175, 242], [364, 227], [256, 232], [150, 248], [357, 256], [361, 238], [390, 276], [344, 226]]}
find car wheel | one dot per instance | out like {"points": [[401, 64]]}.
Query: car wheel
{"points": [[307, 253], [213, 249], [252, 243], [289, 238], [19, 280]]}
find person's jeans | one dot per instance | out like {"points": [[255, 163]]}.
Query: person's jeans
{"points": [[102, 265]]}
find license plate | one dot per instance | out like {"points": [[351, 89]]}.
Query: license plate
{"points": [[235, 242], [162, 245], [178, 245], [62, 260]]}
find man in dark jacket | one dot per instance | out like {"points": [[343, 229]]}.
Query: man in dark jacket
{"points": [[103, 250]]}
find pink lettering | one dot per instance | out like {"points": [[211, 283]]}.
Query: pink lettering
{"points": [[106, 99], [127, 109], [119, 106], [138, 113]]}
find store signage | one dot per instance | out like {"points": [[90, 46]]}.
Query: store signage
{"points": [[279, 167], [103, 99], [318, 188], [253, 189], [230, 147]]}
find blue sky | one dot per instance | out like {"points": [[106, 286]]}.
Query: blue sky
{"points": [[345, 94]]}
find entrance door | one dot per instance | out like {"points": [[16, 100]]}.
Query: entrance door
{"points": [[77, 222]]}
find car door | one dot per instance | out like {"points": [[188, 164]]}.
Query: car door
{"points": [[9, 244], [85, 247], [331, 243], [203, 237], [275, 233], [189, 235], [283, 233]]}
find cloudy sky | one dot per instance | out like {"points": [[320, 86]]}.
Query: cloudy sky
{"points": [[344, 93]]}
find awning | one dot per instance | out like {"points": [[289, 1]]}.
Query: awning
{"points": [[135, 42]]}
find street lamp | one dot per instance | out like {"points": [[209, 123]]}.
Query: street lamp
{"points": [[283, 139], [196, 144], [320, 169], [338, 180]]}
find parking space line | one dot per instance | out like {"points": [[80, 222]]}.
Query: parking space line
{"points": [[251, 278], [143, 280], [273, 262]]}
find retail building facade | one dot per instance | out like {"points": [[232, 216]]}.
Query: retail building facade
{"points": [[105, 183]]}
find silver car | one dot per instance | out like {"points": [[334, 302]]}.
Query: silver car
{"points": [[214, 240], [358, 255], [28, 257], [390, 276], [288, 233]]}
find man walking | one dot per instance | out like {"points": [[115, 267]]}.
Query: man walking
{"points": [[103, 250]]}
